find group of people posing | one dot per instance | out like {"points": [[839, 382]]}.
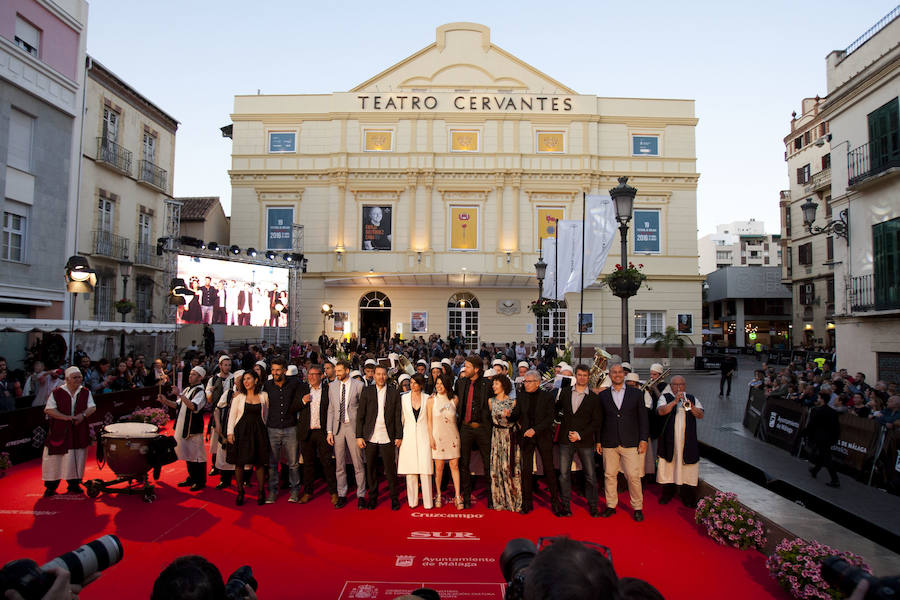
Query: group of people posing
{"points": [[419, 425]]}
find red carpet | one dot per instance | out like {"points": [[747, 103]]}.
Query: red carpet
{"points": [[315, 551]]}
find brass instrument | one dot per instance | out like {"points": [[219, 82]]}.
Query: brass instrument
{"points": [[598, 369], [650, 382]]}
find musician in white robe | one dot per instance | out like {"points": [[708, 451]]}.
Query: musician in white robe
{"points": [[679, 451], [68, 438], [189, 429]]}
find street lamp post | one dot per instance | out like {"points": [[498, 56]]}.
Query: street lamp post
{"points": [[327, 313], [623, 198], [125, 268], [540, 271]]}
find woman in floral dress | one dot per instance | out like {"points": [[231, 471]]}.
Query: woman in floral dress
{"points": [[506, 466], [444, 436]]}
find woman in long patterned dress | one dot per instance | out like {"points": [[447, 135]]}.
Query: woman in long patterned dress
{"points": [[506, 465], [441, 411]]}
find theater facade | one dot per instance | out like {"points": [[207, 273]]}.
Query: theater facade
{"points": [[424, 194]]}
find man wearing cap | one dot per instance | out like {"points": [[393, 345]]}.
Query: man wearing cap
{"points": [[421, 367], [217, 385], [65, 448], [536, 420], [189, 429], [473, 417], [329, 370], [369, 371], [343, 402]]}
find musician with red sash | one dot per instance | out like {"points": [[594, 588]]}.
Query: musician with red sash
{"points": [[65, 450]]}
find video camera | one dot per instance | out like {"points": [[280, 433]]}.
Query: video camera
{"points": [[842, 575], [32, 582], [235, 587]]}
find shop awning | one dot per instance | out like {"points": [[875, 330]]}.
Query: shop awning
{"points": [[438, 280], [82, 326]]}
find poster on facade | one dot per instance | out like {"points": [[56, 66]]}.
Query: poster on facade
{"points": [[646, 231], [418, 322], [376, 229], [586, 323], [464, 228], [341, 322], [645, 145], [685, 323], [282, 141], [279, 228], [547, 218], [231, 293]]}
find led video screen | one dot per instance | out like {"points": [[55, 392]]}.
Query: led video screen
{"points": [[233, 293]]}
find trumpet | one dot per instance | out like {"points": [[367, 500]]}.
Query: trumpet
{"points": [[686, 404], [650, 382]]}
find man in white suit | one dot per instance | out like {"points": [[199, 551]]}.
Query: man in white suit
{"points": [[343, 402]]}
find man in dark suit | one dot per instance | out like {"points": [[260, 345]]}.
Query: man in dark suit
{"points": [[379, 432], [473, 417], [623, 439], [311, 428], [581, 417], [536, 419], [244, 306]]}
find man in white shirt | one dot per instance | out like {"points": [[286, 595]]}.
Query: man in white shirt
{"points": [[343, 403], [311, 429], [68, 408], [189, 429], [379, 432]]}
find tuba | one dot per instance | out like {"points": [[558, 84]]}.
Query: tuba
{"points": [[598, 369]]}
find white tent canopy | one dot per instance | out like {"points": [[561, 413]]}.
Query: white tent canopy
{"points": [[82, 326]]}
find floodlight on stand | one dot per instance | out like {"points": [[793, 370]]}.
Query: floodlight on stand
{"points": [[251, 252], [235, 250], [80, 277]]}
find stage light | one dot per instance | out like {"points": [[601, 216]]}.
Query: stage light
{"points": [[80, 277], [213, 246], [251, 252], [191, 241], [288, 257], [270, 255], [235, 250]]}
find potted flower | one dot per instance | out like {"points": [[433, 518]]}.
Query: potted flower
{"points": [[154, 416], [797, 565], [542, 306], [124, 306], [729, 523], [625, 281], [4, 463]]}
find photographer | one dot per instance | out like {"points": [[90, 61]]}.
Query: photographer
{"points": [[195, 578]]}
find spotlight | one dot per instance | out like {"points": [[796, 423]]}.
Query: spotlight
{"points": [[213, 246], [288, 257], [80, 277], [270, 255], [251, 252], [191, 241], [235, 250]]}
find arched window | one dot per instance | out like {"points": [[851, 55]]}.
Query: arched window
{"points": [[462, 319], [374, 300]]}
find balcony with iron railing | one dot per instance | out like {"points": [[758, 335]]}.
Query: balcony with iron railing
{"points": [[113, 155], [871, 159], [145, 255], [868, 293], [152, 174], [106, 243]]}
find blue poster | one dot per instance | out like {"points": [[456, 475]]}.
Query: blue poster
{"points": [[279, 229], [645, 145], [282, 142], [646, 231]]}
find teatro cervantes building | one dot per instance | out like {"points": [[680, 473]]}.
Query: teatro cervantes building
{"points": [[424, 193]]}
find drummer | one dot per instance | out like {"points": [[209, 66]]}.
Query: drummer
{"points": [[189, 429], [68, 408]]}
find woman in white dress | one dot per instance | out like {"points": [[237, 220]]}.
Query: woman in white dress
{"points": [[260, 309], [444, 436], [415, 450]]}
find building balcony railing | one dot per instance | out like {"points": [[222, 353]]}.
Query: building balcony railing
{"points": [[866, 293], [145, 255], [108, 244], [113, 155], [869, 160], [818, 181], [152, 174]]}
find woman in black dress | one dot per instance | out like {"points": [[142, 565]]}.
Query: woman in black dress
{"points": [[247, 431], [191, 313]]}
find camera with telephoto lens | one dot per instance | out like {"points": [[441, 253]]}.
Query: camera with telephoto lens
{"points": [[514, 563], [235, 588], [32, 582], [842, 575]]}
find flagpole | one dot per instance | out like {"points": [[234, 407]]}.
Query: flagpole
{"points": [[581, 309], [556, 262]]}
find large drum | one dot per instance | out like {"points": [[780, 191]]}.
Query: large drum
{"points": [[126, 446]]}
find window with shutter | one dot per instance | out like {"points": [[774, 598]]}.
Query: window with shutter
{"points": [[884, 136], [886, 262]]}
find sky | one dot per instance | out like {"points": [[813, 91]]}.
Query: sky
{"points": [[747, 66]]}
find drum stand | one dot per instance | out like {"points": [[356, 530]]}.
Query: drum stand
{"points": [[133, 485]]}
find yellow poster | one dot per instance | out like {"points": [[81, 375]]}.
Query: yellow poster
{"points": [[463, 227], [547, 218]]}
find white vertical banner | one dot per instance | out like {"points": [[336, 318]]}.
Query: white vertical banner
{"points": [[548, 246], [598, 238], [569, 248]]}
